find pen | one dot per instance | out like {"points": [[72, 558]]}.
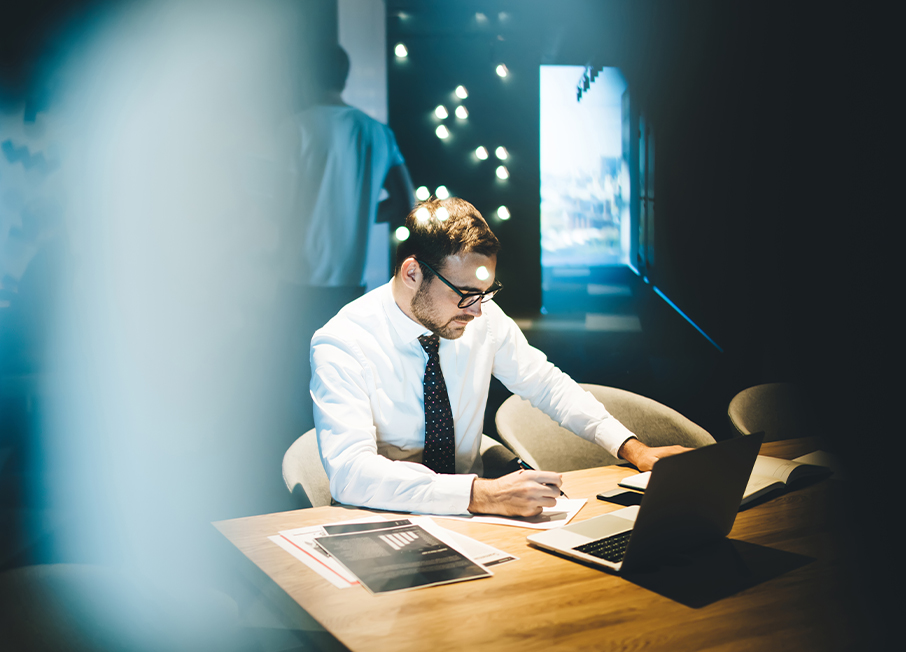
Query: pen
{"points": [[522, 463]]}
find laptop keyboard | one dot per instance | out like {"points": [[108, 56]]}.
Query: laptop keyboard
{"points": [[610, 548]]}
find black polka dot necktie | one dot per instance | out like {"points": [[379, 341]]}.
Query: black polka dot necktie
{"points": [[439, 455]]}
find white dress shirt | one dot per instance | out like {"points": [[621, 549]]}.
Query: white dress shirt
{"points": [[367, 384], [338, 162]]}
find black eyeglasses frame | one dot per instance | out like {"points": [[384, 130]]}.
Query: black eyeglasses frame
{"points": [[466, 299]]}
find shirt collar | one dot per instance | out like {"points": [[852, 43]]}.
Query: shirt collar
{"points": [[407, 329]]}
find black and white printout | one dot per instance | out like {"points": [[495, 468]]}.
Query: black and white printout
{"points": [[400, 558]]}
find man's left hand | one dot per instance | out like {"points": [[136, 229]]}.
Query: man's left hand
{"points": [[643, 457]]}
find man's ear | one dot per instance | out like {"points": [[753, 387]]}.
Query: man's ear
{"points": [[411, 273]]}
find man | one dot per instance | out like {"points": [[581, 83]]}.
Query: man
{"points": [[375, 381], [338, 161]]}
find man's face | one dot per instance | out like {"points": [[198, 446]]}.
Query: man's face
{"points": [[435, 304]]}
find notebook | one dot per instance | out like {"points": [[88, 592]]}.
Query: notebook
{"points": [[692, 499]]}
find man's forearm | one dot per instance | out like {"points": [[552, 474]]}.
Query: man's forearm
{"points": [[631, 450], [644, 457]]}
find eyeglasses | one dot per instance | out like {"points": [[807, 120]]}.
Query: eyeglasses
{"points": [[467, 299]]}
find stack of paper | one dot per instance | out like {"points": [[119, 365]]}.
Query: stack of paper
{"points": [[390, 555]]}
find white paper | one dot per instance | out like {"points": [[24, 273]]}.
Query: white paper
{"points": [[480, 553], [310, 561], [400, 558], [300, 543], [551, 517]]}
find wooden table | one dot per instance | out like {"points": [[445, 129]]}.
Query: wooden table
{"points": [[777, 583]]}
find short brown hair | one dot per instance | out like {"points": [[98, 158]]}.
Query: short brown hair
{"points": [[433, 239]]}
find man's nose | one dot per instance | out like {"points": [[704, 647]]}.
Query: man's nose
{"points": [[474, 309]]}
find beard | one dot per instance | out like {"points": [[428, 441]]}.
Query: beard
{"points": [[425, 312]]}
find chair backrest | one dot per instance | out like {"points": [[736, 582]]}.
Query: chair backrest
{"points": [[541, 442], [778, 409], [303, 472]]}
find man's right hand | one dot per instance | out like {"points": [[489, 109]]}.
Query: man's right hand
{"points": [[523, 493]]}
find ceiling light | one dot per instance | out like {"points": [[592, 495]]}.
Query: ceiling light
{"points": [[442, 214], [482, 153], [402, 233], [461, 112], [503, 213], [442, 132], [442, 192], [400, 51], [461, 92], [502, 70], [422, 214], [422, 193], [482, 273], [441, 112], [501, 153], [502, 172]]}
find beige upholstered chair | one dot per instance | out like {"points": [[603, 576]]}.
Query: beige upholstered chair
{"points": [[543, 444], [304, 474], [306, 479], [778, 409]]}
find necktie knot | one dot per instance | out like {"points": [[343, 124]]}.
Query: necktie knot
{"points": [[430, 343]]}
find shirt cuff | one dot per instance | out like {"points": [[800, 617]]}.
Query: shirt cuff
{"points": [[611, 435], [452, 493]]}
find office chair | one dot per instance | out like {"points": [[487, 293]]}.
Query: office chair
{"points": [[306, 479], [543, 444], [304, 474], [778, 409]]}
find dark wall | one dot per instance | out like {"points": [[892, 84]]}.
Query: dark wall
{"points": [[739, 99], [776, 229], [448, 48], [32, 36], [769, 230], [760, 110]]}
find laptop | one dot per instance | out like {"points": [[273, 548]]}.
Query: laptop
{"points": [[691, 499]]}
